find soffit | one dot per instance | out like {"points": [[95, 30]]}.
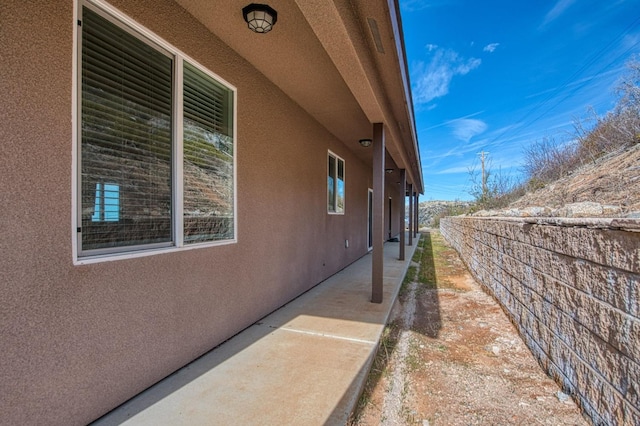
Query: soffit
{"points": [[330, 67]]}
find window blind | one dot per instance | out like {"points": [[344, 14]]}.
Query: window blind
{"points": [[208, 158], [126, 116]]}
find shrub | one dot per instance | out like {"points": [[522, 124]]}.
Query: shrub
{"points": [[548, 160]]}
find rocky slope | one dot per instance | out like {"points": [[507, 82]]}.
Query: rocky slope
{"points": [[610, 187], [429, 210]]}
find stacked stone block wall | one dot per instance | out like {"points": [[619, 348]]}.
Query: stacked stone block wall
{"points": [[573, 291]]}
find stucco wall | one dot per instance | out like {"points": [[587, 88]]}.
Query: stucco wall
{"points": [[574, 293], [76, 341]]}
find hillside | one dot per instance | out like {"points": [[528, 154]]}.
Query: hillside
{"points": [[613, 182], [428, 211]]}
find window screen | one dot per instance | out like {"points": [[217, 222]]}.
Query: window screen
{"points": [[208, 158], [126, 138], [127, 196]]}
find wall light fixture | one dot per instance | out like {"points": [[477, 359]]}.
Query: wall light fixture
{"points": [[259, 17]]}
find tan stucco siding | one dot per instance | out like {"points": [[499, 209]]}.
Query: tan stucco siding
{"points": [[76, 341]]}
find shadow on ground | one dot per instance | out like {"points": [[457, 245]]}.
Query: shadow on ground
{"points": [[305, 363], [420, 287], [428, 309], [459, 360]]}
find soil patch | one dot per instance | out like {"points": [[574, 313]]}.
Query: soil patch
{"points": [[450, 356]]}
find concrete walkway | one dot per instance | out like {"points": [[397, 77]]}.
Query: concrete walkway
{"points": [[305, 364]]}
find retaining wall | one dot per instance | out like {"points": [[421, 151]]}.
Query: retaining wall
{"points": [[572, 288]]}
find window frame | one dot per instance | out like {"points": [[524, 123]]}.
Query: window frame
{"points": [[177, 194], [337, 160]]}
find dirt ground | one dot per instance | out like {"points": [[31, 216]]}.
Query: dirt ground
{"points": [[450, 356]]}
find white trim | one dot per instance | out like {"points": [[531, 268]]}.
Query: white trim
{"points": [[235, 164], [75, 122], [147, 252], [179, 58], [178, 155]]}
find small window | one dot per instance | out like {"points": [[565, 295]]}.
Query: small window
{"points": [[335, 184], [142, 184]]}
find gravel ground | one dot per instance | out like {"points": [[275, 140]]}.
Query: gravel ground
{"points": [[450, 356]]}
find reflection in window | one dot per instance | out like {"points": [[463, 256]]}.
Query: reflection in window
{"points": [[107, 205], [128, 171], [335, 184], [208, 158]]}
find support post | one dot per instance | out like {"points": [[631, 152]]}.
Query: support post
{"points": [[378, 213], [417, 213], [403, 211], [411, 215]]}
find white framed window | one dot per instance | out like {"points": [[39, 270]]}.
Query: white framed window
{"points": [[335, 184], [155, 164]]}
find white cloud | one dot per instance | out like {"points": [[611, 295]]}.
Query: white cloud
{"points": [[418, 5], [453, 170], [414, 5], [491, 47], [430, 47], [466, 128], [560, 7], [631, 40], [445, 123], [464, 67], [432, 80]]}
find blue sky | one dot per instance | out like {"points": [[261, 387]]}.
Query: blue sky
{"points": [[497, 75]]}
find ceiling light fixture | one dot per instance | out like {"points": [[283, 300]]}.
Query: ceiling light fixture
{"points": [[259, 17], [365, 142]]}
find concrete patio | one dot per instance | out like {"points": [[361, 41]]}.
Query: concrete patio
{"points": [[305, 363]]}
